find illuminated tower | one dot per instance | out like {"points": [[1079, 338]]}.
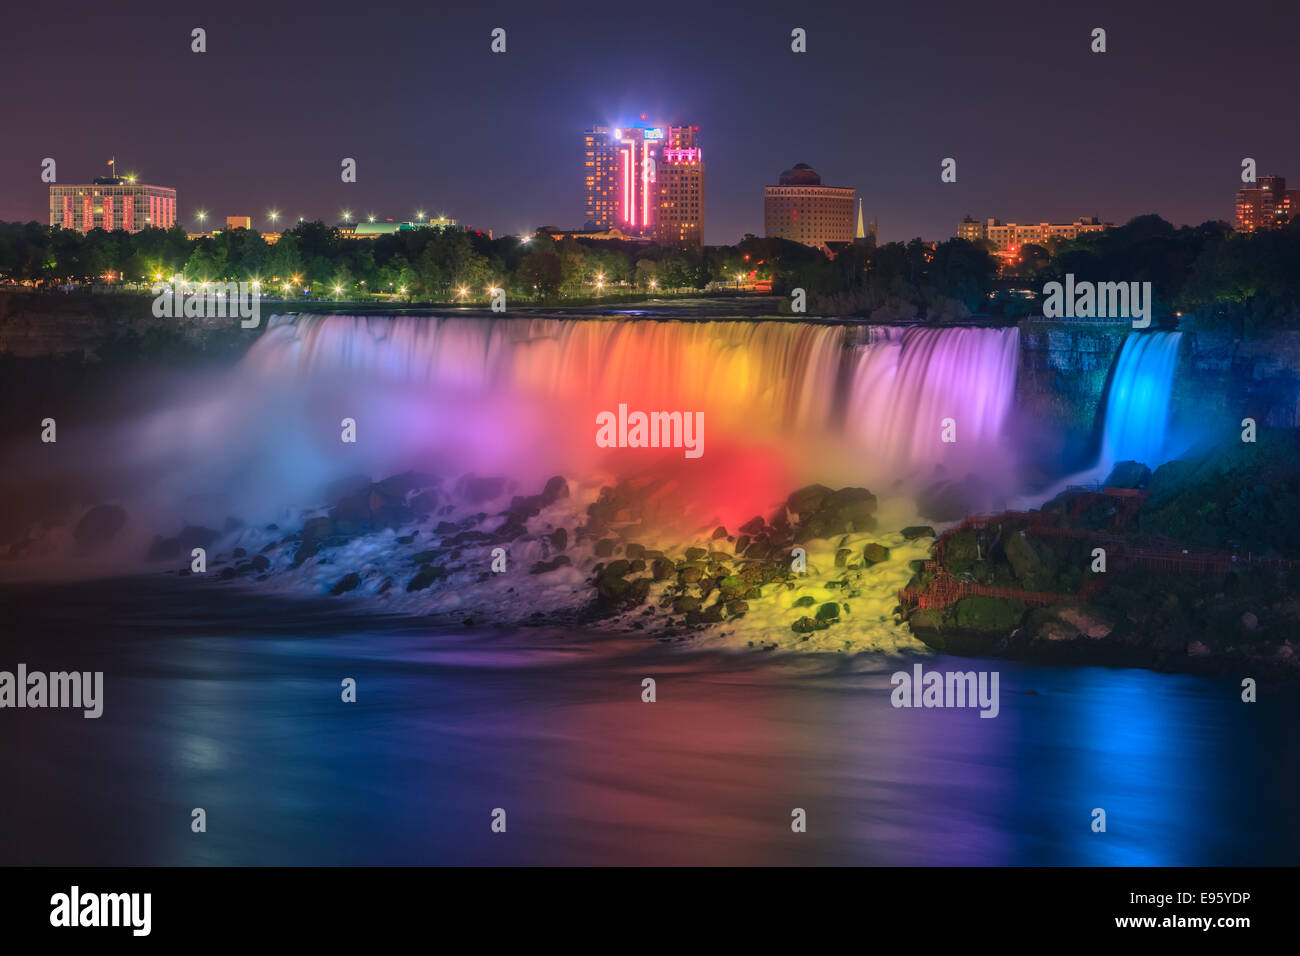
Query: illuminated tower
{"points": [[601, 169], [680, 214], [646, 181]]}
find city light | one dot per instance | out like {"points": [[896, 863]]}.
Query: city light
{"points": [[273, 215], [202, 216], [347, 215], [371, 217], [338, 289], [419, 216]]}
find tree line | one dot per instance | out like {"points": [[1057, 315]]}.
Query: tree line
{"points": [[1205, 276]]}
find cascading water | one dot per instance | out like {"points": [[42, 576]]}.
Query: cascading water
{"points": [[905, 383], [784, 403], [1137, 407]]}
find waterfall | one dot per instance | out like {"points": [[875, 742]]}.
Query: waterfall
{"points": [[1137, 406], [907, 383], [882, 390]]}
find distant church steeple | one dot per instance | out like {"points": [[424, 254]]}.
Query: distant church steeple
{"points": [[861, 233]]}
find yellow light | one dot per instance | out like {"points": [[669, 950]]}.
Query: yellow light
{"points": [[338, 289], [402, 290]]}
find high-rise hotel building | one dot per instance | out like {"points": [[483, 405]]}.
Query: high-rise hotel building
{"points": [[112, 202], [681, 189], [1266, 205], [802, 210], [645, 181]]}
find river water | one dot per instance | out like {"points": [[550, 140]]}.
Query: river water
{"points": [[230, 701]]}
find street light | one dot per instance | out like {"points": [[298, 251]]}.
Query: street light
{"points": [[202, 216], [273, 215]]}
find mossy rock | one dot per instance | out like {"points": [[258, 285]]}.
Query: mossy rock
{"points": [[804, 625], [696, 554], [662, 569], [731, 586], [962, 550], [687, 603], [875, 554], [912, 532], [830, 611], [981, 613], [806, 601]]}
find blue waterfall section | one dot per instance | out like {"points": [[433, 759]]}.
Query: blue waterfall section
{"points": [[1137, 408]]}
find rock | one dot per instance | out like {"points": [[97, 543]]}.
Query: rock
{"points": [[445, 528], [605, 547], [633, 550], [349, 582], [713, 614], [542, 567], [317, 529], [426, 576], [828, 612], [690, 574], [686, 603], [1249, 621], [1128, 474], [696, 554], [718, 532], [842, 557], [912, 532], [662, 569], [806, 601], [804, 625], [731, 587], [875, 554], [737, 607], [260, 562], [1086, 622], [1198, 649], [982, 613], [805, 501], [742, 543], [1024, 559], [753, 526], [556, 488], [618, 569]]}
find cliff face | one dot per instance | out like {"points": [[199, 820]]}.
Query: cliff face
{"points": [[34, 325], [1065, 373]]}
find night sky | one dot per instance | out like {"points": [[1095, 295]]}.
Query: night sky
{"points": [[1041, 127]]}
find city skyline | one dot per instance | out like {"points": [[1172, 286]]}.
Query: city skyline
{"points": [[246, 127]]}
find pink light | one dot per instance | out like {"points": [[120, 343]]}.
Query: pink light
{"points": [[645, 184], [627, 183]]}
